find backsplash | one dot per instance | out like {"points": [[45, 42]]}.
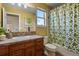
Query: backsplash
{"points": [[23, 33]]}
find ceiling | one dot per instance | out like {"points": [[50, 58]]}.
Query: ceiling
{"points": [[28, 9], [33, 10], [53, 5]]}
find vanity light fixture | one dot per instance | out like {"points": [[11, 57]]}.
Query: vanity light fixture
{"points": [[19, 4], [13, 3], [25, 5]]}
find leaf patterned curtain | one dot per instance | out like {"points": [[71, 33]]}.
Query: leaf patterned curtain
{"points": [[64, 26]]}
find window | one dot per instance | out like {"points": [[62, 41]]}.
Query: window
{"points": [[40, 18], [12, 22]]}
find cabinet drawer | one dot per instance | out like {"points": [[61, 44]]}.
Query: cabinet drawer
{"points": [[39, 43], [29, 44], [4, 50], [39, 40], [16, 46], [17, 53]]}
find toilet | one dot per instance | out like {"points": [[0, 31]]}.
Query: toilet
{"points": [[50, 49]]}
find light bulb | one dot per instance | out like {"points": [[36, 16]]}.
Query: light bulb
{"points": [[13, 3], [25, 5], [19, 4]]}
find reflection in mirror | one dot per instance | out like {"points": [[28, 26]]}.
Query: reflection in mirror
{"points": [[12, 22], [0, 17], [16, 17]]}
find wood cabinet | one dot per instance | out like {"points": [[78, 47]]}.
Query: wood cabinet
{"points": [[29, 51], [39, 48], [29, 48], [19, 52], [16, 49], [3, 50], [24, 48]]}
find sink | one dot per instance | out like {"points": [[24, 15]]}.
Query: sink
{"points": [[19, 38], [6, 39], [1, 40]]}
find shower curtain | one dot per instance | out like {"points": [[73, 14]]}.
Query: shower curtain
{"points": [[64, 26]]}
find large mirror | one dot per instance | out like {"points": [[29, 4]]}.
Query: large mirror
{"points": [[0, 17], [19, 17]]}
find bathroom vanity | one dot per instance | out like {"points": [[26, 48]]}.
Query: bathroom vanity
{"points": [[31, 45]]}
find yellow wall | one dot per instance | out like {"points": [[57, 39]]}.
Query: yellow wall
{"points": [[0, 5], [42, 30], [0, 16], [23, 15], [39, 30], [0, 13], [41, 5]]}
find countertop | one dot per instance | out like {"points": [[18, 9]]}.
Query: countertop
{"points": [[19, 38]]}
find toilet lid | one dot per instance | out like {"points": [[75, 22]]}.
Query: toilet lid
{"points": [[50, 46]]}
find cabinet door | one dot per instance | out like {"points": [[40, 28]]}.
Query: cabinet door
{"points": [[29, 48], [16, 46], [16, 49], [39, 44], [39, 47], [3, 50], [29, 51], [17, 52]]}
